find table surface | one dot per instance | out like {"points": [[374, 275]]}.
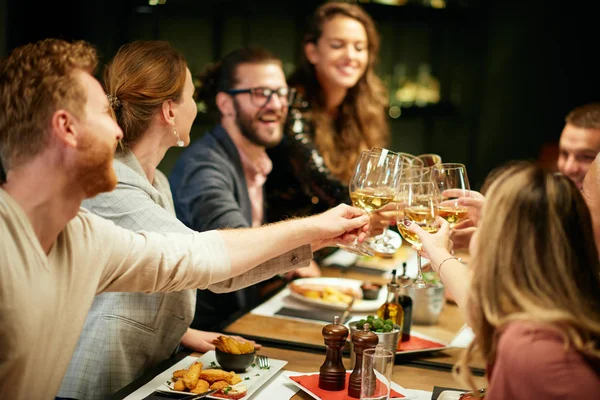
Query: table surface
{"points": [[306, 335], [301, 344], [405, 376]]}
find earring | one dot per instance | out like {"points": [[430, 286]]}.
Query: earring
{"points": [[179, 141]]}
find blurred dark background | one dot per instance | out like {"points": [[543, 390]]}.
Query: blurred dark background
{"points": [[508, 71]]}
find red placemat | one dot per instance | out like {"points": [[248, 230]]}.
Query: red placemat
{"points": [[417, 343], [311, 383]]}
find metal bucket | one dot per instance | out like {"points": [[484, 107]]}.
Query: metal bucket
{"points": [[427, 304], [389, 340]]}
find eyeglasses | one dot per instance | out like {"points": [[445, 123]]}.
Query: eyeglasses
{"points": [[260, 96]]}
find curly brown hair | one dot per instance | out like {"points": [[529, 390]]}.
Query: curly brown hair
{"points": [[36, 80], [361, 120]]}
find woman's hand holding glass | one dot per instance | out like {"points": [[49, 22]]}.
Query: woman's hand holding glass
{"points": [[435, 246], [463, 231], [452, 182], [417, 203]]}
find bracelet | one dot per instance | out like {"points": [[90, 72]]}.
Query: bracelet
{"points": [[442, 263]]}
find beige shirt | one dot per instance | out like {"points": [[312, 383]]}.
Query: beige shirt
{"points": [[44, 299]]}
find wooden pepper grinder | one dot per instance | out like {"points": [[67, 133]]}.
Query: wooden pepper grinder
{"points": [[361, 341], [332, 374]]}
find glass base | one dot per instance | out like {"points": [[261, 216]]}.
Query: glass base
{"points": [[387, 245], [419, 285], [358, 249]]}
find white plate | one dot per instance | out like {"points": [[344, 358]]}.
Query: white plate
{"points": [[395, 386], [359, 305], [450, 395], [256, 376]]}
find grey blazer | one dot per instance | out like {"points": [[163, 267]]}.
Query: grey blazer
{"points": [[125, 334]]}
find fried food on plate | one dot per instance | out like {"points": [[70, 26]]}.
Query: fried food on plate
{"points": [[190, 378], [219, 385], [330, 294], [179, 373], [196, 380], [213, 375], [233, 346], [201, 387], [179, 385], [235, 378]]}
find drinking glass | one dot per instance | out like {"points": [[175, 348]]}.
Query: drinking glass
{"points": [[376, 380], [372, 187], [388, 242], [451, 176], [429, 160], [417, 202]]}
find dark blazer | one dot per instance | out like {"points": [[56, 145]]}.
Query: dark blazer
{"points": [[210, 192]]}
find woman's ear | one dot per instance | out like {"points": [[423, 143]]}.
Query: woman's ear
{"points": [[310, 51], [168, 113]]}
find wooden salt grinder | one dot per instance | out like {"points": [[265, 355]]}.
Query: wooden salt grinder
{"points": [[361, 340], [332, 374]]}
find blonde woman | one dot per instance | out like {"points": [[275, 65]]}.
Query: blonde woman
{"points": [[533, 300]]}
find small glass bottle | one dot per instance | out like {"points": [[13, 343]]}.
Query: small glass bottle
{"points": [[406, 303], [392, 309]]}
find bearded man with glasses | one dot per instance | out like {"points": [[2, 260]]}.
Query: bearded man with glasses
{"points": [[218, 181]]}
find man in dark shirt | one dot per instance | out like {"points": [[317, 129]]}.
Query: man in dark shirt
{"points": [[218, 181]]}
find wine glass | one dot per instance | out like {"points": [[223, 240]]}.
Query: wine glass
{"points": [[372, 187], [429, 160], [417, 202], [451, 176], [411, 160], [388, 242]]}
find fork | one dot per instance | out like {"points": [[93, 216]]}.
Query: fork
{"points": [[263, 362]]}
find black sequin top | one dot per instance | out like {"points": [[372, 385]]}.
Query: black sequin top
{"points": [[300, 183]]}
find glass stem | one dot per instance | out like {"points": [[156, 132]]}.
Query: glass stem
{"points": [[382, 237], [419, 272]]}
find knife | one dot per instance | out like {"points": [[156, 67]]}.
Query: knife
{"points": [[191, 396], [346, 314]]}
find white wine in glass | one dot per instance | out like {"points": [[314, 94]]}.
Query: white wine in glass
{"points": [[388, 242], [371, 199], [422, 216], [451, 178], [371, 190], [418, 202]]}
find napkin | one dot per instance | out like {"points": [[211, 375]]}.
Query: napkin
{"points": [[417, 343], [437, 390], [311, 382]]}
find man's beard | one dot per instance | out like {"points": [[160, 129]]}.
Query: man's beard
{"points": [[244, 123], [94, 172]]}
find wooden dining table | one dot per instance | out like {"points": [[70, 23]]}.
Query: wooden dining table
{"points": [[406, 376], [305, 335], [300, 343]]}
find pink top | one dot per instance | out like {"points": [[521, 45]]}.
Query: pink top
{"points": [[256, 170], [532, 364]]}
